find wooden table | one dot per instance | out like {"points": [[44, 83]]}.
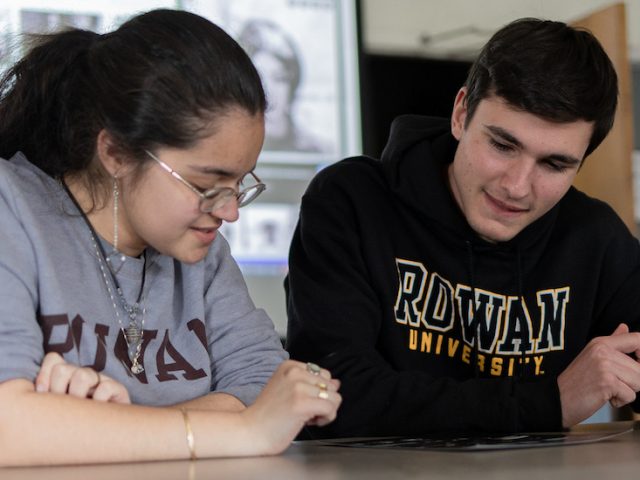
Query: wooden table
{"points": [[613, 459]]}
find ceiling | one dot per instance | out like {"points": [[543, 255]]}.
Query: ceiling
{"points": [[456, 29]]}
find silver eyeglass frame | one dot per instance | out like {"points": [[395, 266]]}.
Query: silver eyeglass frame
{"points": [[218, 196]]}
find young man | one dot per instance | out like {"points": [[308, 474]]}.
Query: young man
{"points": [[461, 283]]}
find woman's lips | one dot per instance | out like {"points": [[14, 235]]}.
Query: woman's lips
{"points": [[206, 235]]}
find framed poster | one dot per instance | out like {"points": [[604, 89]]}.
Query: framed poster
{"points": [[306, 54]]}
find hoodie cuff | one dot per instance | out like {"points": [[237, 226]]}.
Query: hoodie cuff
{"points": [[539, 406]]}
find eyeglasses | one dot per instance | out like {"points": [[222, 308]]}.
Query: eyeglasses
{"points": [[216, 198]]}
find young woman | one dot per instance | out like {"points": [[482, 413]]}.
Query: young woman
{"points": [[126, 330]]}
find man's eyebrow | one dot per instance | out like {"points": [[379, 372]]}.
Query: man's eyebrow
{"points": [[566, 159], [502, 133], [508, 137]]}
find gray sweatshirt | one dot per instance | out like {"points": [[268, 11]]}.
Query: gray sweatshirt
{"points": [[202, 332]]}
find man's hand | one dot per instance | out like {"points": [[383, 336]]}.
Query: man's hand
{"points": [[603, 372]]}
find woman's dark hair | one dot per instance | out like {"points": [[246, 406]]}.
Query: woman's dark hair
{"points": [[548, 69], [162, 79]]}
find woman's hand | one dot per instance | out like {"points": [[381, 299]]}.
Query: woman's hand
{"points": [[297, 394], [58, 376]]}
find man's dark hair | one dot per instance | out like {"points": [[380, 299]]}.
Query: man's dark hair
{"points": [[549, 69]]}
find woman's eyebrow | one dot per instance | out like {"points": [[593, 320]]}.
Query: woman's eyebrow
{"points": [[221, 172]]}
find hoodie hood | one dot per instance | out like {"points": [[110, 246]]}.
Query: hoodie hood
{"points": [[415, 162]]}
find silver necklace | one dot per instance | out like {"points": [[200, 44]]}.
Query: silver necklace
{"points": [[134, 330]]}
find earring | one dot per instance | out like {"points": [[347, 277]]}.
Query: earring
{"points": [[116, 258]]}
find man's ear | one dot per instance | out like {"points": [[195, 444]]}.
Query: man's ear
{"points": [[459, 114], [109, 154]]}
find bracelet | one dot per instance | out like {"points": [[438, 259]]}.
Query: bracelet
{"points": [[191, 443]]}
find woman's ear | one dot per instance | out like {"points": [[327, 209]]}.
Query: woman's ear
{"points": [[459, 114], [109, 154]]}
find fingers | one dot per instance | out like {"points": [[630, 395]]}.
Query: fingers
{"points": [[622, 328], [326, 411], [318, 391], [316, 370], [323, 390], [619, 349], [327, 399], [43, 380], [324, 404], [627, 370], [624, 395], [58, 376], [309, 373], [82, 382], [625, 342], [312, 374], [108, 390], [602, 372]]}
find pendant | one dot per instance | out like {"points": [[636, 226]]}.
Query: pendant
{"points": [[133, 337], [132, 334], [136, 368]]}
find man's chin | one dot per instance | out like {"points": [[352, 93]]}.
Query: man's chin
{"points": [[498, 235]]}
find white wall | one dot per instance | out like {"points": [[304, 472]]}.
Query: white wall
{"points": [[457, 28]]}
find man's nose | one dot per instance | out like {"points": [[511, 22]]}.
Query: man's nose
{"points": [[517, 180]]}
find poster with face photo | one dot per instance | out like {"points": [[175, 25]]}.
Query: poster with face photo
{"points": [[301, 50]]}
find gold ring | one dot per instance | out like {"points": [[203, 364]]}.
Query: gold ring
{"points": [[322, 386], [323, 394], [313, 368]]}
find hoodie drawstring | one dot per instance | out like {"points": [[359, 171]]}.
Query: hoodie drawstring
{"points": [[520, 286], [521, 299], [472, 281]]}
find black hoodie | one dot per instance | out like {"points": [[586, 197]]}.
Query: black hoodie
{"points": [[383, 268]]}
